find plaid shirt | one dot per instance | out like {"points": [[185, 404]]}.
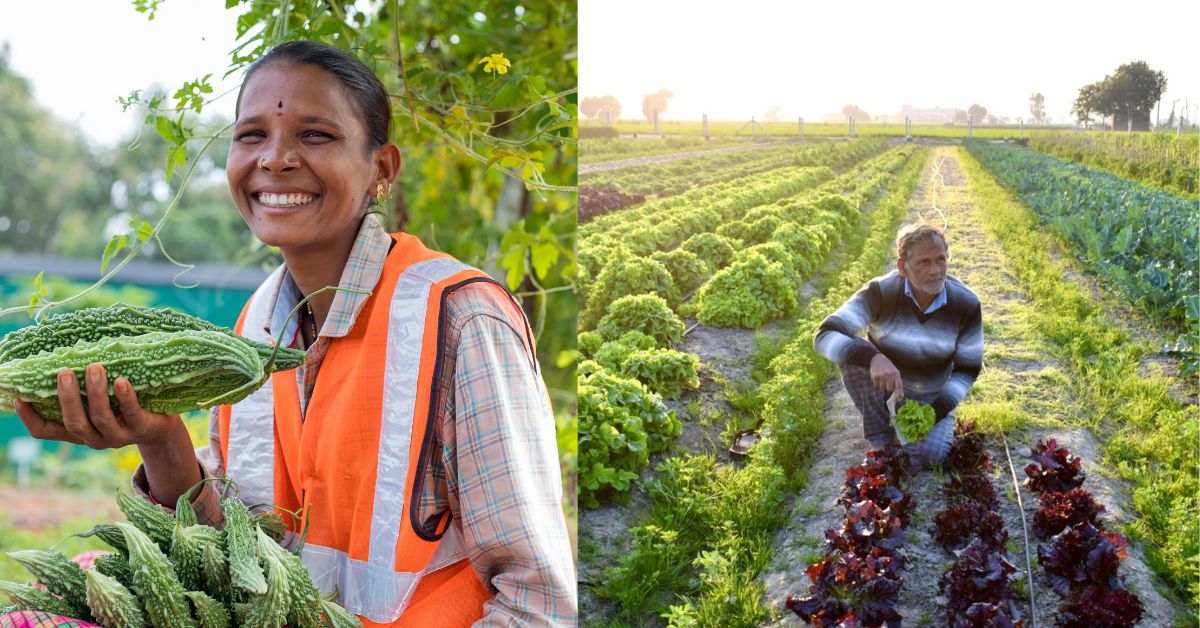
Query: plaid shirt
{"points": [[494, 463]]}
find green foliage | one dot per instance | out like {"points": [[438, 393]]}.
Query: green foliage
{"points": [[1148, 435], [626, 274], [613, 354], [620, 424], [914, 420], [589, 343], [686, 268], [714, 250], [1144, 242], [647, 313], [749, 292], [665, 371]]}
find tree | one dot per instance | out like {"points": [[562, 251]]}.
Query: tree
{"points": [[1037, 108], [57, 173], [774, 113], [977, 112], [655, 103], [1131, 90], [856, 113], [605, 108]]}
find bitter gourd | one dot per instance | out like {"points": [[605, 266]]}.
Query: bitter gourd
{"points": [[171, 372], [155, 583], [29, 598], [244, 569], [185, 557], [338, 617], [210, 612], [304, 608], [148, 518], [95, 323], [114, 566], [60, 575], [111, 603], [270, 610]]}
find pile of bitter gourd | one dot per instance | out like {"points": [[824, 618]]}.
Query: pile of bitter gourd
{"points": [[169, 571], [175, 362]]}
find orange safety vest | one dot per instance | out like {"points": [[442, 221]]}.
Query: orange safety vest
{"points": [[357, 458]]}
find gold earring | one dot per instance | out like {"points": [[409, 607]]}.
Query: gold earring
{"points": [[380, 193]]}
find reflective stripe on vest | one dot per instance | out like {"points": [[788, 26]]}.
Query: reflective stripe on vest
{"points": [[371, 588]]}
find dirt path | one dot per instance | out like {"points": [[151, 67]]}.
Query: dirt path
{"points": [[1016, 372]]}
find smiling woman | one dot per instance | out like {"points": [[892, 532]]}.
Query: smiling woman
{"points": [[418, 436]]}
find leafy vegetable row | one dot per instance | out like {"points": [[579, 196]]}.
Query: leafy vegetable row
{"points": [[1079, 556], [709, 532], [979, 585], [1145, 242], [859, 581], [669, 178], [1155, 159]]}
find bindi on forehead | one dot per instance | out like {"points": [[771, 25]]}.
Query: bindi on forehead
{"points": [[279, 114]]}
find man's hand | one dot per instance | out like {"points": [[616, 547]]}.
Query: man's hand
{"points": [[886, 376]]}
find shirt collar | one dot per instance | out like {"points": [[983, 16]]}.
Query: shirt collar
{"points": [[938, 301], [363, 269]]}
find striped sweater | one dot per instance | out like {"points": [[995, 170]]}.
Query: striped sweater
{"points": [[940, 352]]}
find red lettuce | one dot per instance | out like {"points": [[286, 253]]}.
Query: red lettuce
{"points": [[867, 526], [967, 519], [984, 615], [860, 485], [1081, 556], [848, 588], [967, 453], [1059, 511], [972, 486], [1094, 606], [981, 574], [1053, 469]]}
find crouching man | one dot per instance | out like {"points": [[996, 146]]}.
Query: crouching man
{"points": [[924, 342]]}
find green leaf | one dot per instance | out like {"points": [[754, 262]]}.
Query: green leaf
{"points": [[140, 229], [117, 243], [516, 275], [545, 255]]}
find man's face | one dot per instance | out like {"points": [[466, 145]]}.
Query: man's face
{"points": [[925, 268]]}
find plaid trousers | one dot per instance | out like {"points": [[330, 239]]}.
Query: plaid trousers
{"points": [[877, 423]]}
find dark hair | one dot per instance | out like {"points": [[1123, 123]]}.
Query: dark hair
{"points": [[363, 87]]}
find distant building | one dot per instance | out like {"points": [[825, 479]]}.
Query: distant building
{"points": [[920, 115]]}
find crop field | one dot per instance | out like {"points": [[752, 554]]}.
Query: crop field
{"points": [[702, 282], [791, 128]]}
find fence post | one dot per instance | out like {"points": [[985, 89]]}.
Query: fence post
{"points": [[801, 126], [656, 123], [970, 127], [705, 115]]}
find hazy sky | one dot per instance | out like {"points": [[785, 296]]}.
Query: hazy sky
{"points": [[735, 60], [91, 51]]}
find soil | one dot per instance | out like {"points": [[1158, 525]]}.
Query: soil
{"points": [[38, 508], [977, 260]]}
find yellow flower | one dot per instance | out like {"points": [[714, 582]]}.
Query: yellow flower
{"points": [[496, 63]]}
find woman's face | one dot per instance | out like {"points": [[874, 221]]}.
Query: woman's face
{"points": [[300, 170]]}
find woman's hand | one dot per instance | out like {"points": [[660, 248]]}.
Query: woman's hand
{"points": [[886, 376], [98, 426]]}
